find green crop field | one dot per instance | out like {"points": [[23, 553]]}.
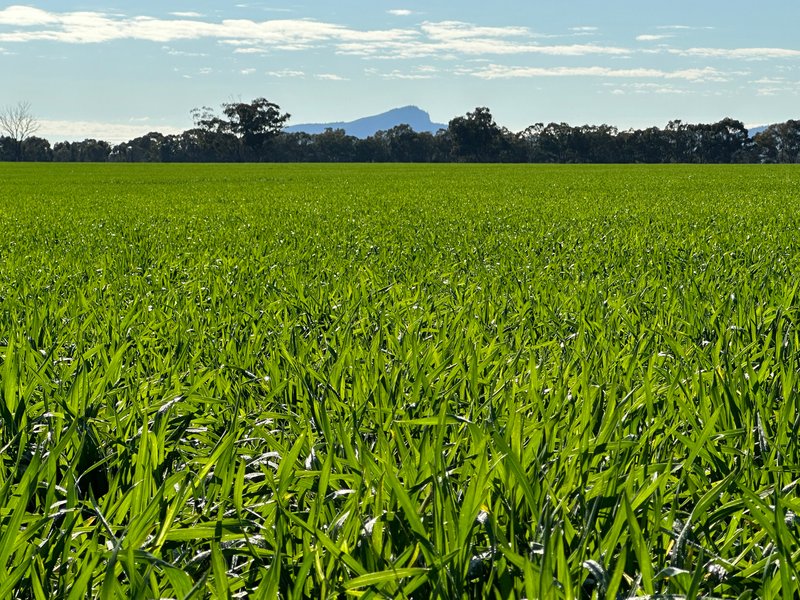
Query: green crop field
{"points": [[399, 381]]}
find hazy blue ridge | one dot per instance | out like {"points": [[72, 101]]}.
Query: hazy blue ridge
{"points": [[418, 119]]}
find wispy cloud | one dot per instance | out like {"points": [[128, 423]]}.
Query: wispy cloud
{"points": [[417, 73], [114, 133], [459, 30], [26, 16], [407, 76], [448, 39], [175, 52], [470, 47], [648, 37], [684, 27], [249, 71], [457, 38], [738, 53], [775, 86], [96, 27], [286, 73], [331, 77], [443, 39], [771, 81], [507, 72], [644, 88], [251, 50]]}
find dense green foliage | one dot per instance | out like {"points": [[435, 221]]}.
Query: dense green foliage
{"points": [[419, 382], [252, 132]]}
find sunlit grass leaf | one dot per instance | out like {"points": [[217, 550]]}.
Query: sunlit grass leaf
{"points": [[419, 381]]}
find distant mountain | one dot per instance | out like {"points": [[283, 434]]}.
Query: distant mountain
{"points": [[754, 131], [418, 119]]}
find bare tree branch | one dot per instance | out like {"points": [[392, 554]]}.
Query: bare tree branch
{"points": [[18, 122]]}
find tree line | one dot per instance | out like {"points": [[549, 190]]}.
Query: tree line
{"points": [[253, 132]]}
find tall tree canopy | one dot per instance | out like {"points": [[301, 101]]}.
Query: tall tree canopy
{"points": [[253, 131], [254, 123]]}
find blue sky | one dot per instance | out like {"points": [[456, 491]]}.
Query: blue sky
{"points": [[115, 70]]}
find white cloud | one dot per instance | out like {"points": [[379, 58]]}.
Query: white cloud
{"points": [[651, 38], [113, 133], [459, 30], [444, 39], [407, 76], [774, 86], [26, 16], [174, 52], [577, 50], [400, 12], [738, 53], [640, 87], [95, 27], [247, 71], [417, 73], [457, 37], [684, 27], [286, 73], [506, 72], [469, 47], [330, 77], [250, 50], [449, 39]]}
